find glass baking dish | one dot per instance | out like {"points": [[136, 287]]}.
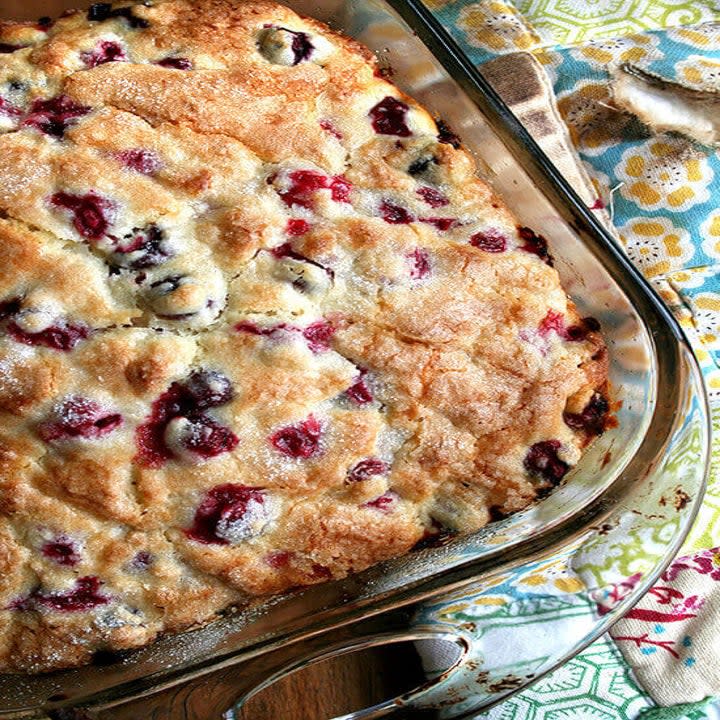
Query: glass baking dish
{"points": [[642, 479]]}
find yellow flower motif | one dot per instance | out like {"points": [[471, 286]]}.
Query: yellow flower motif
{"points": [[496, 26], [655, 245], [710, 231], [614, 51], [700, 72], [593, 123], [703, 36], [665, 173]]}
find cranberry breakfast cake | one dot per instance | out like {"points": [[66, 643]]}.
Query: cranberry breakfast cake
{"points": [[261, 325]]}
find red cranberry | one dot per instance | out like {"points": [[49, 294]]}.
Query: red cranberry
{"points": [[62, 550], [300, 45], [8, 109], [6, 48], [394, 214], [366, 469], [542, 460], [340, 189], [359, 392], [330, 128], [384, 503], [492, 241], [203, 389], [229, 513], [55, 115], [419, 263], [84, 595], [142, 248], [552, 322], [535, 244], [104, 52], [11, 307], [579, 332], [92, 213], [320, 572], [286, 250], [593, 418], [175, 63], [206, 437], [298, 441], [63, 336], [279, 559], [79, 417], [434, 198], [442, 224], [305, 183], [296, 227], [143, 161], [142, 561], [318, 335], [446, 135], [389, 117]]}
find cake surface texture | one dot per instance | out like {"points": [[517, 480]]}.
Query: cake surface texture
{"points": [[261, 325]]}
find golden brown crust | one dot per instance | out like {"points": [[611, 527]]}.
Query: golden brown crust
{"points": [[259, 327]]}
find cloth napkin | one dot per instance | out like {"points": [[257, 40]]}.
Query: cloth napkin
{"points": [[659, 193]]}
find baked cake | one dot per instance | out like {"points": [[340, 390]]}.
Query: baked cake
{"points": [[261, 325]]}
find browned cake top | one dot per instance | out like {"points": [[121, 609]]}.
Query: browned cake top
{"points": [[260, 325]]}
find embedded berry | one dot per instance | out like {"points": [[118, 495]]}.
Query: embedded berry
{"points": [[340, 189], [552, 322], [282, 46], [175, 63], [442, 224], [104, 52], [142, 561], [62, 550], [228, 514], [318, 335], [78, 417], [492, 241], [434, 198], [296, 227], [419, 263], [420, 167], [394, 214], [63, 336], [142, 248], [55, 115], [446, 135], [579, 332], [437, 535], [84, 595], [8, 109], [298, 441], [365, 469], [6, 48], [328, 127], [202, 436], [389, 117], [384, 503], [209, 388], [593, 418], [305, 183], [92, 213], [359, 392], [279, 559], [140, 160], [542, 461], [535, 244], [286, 250]]}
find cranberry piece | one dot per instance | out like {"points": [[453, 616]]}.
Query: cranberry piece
{"points": [[593, 418], [318, 335], [394, 214], [442, 224], [204, 389], [295, 227], [298, 441], [542, 460], [434, 198], [8, 109], [366, 469], [79, 417], [143, 248], [142, 561], [437, 535], [279, 559], [254, 329], [286, 250], [340, 189], [419, 263], [104, 52], [84, 595], [384, 503], [175, 63], [552, 322], [330, 128], [446, 135], [577, 333], [8, 308], [389, 117], [143, 161], [305, 183], [92, 213], [492, 241], [207, 438], [301, 46], [99, 12], [6, 48], [55, 115], [62, 550], [535, 244], [63, 337], [228, 513], [359, 392], [420, 167], [320, 572]]}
